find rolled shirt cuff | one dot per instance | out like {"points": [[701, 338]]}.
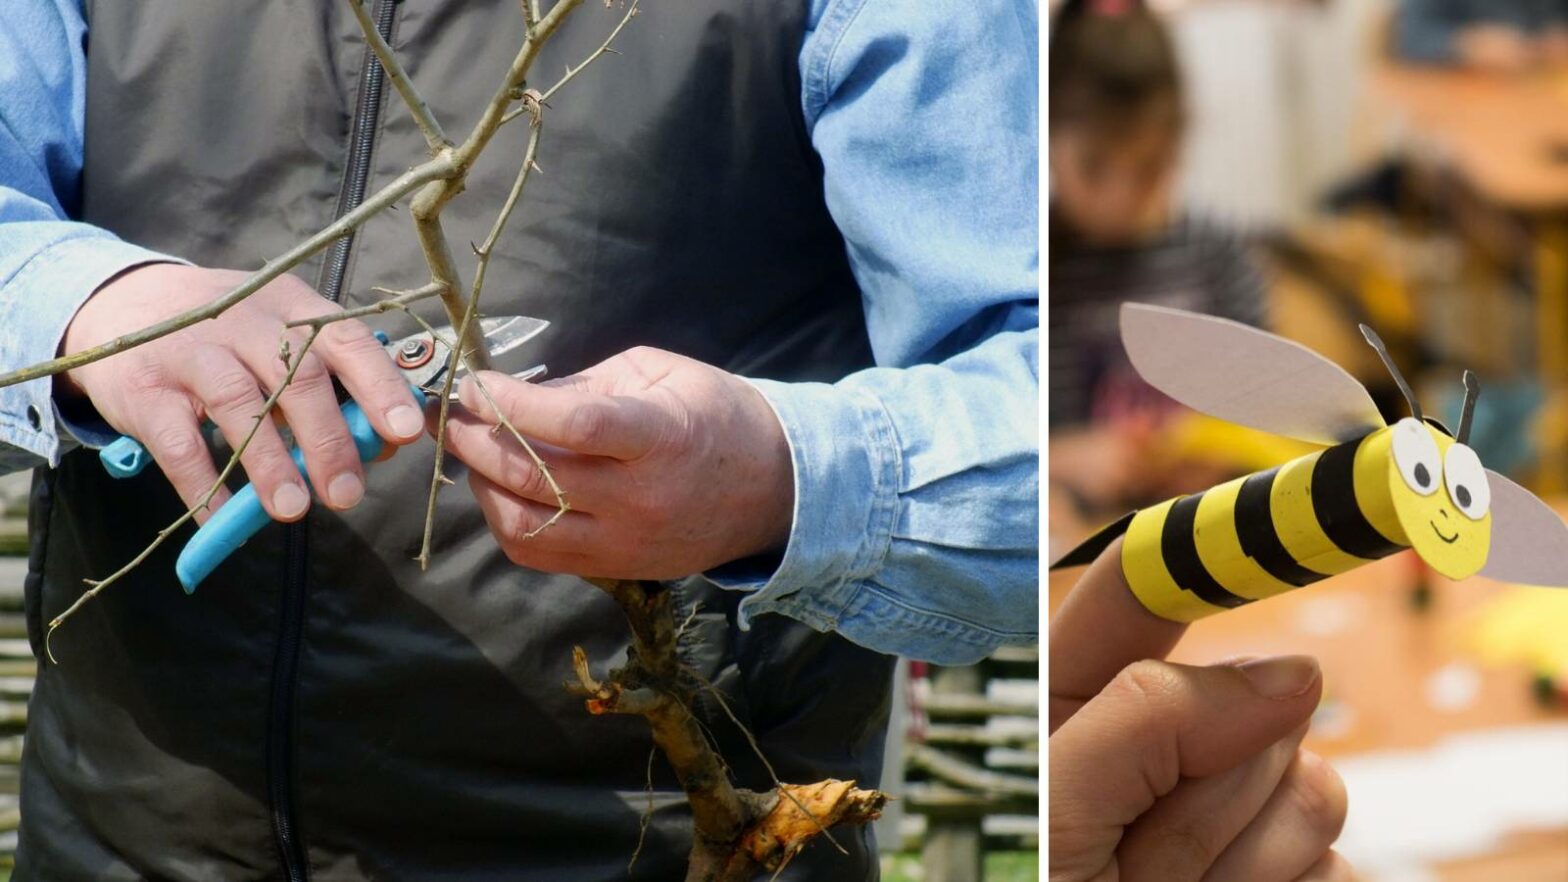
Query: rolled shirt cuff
{"points": [[49, 289], [847, 464]]}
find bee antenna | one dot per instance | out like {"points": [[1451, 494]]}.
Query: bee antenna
{"points": [[1388, 362], [1472, 392]]}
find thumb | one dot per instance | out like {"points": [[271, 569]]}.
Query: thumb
{"points": [[566, 416], [1157, 723]]}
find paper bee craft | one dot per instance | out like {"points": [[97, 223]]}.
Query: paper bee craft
{"points": [[1372, 490]]}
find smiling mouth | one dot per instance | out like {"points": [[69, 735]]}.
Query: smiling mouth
{"points": [[1448, 539]]}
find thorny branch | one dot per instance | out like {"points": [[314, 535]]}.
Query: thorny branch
{"points": [[738, 833], [395, 300], [96, 587], [406, 183], [604, 49], [434, 136]]}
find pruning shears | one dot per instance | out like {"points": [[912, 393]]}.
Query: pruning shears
{"points": [[423, 358]]}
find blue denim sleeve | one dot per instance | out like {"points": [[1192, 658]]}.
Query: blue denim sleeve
{"points": [[916, 522], [49, 264]]}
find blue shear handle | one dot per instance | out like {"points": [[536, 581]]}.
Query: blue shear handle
{"points": [[242, 516], [125, 457]]}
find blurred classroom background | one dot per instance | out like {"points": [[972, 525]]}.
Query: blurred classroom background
{"points": [[1403, 164]]}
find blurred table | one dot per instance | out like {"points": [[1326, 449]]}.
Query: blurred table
{"points": [[1506, 137], [1383, 665]]}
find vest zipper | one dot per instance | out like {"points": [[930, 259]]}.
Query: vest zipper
{"points": [[285, 664]]}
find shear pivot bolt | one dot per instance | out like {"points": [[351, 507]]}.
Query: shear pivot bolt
{"points": [[414, 353]]}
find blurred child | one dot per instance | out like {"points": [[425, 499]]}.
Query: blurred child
{"points": [[1116, 123], [1505, 36]]}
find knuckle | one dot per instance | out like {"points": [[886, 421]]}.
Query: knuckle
{"points": [[311, 376], [331, 446], [1150, 682], [525, 478], [231, 390], [1319, 794], [348, 334], [146, 376], [519, 524], [179, 444], [587, 426], [265, 458]]}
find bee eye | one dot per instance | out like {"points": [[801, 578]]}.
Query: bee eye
{"points": [[1416, 456], [1466, 480]]}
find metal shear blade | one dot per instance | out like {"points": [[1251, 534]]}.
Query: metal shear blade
{"points": [[423, 358]]}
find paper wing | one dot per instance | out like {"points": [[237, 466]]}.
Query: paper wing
{"points": [[1246, 376], [1529, 540]]}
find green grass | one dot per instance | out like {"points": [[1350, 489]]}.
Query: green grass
{"points": [[1000, 866]]}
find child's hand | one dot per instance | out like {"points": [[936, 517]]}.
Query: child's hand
{"points": [[1172, 772]]}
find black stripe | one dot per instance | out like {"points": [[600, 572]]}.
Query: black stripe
{"points": [[1179, 547], [1334, 503], [1259, 540]]}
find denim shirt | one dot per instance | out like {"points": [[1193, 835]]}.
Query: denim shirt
{"points": [[916, 521]]}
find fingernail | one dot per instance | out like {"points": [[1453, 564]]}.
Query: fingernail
{"points": [[346, 490], [1284, 676], [290, 501], [405, 420]]}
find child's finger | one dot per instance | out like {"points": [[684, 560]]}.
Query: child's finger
{"points": [[1100, 629]]}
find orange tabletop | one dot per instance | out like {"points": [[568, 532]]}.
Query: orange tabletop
{"points": [[1507, 136]]}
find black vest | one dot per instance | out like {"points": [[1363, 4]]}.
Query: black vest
{"points": [[320, 703]]}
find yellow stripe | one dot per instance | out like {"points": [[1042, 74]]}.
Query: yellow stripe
{"points": [[1374, 459], [1219, 546], [1290, 502], [1144, 567]]}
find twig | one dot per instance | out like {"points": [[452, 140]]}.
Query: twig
{"points": [[398, 300], [604, 49], [483, 251], [490, 120], [642, 826], [427, 204], [95, 587], [438, 479], [562, 505], [423, 117], [406, 183]]}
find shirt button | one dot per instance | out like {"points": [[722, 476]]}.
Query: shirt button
{"points": [[34, 417]]}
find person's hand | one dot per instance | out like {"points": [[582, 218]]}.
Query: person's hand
{"points": [[1494, 48], [222, 370], [1171, 772], [671, 467]]}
